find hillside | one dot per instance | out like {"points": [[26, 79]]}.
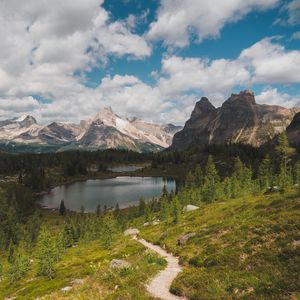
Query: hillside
{"points": [[245, 248]]}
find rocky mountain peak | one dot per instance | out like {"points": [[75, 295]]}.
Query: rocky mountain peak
{"points": [[203, 106], [26, 121], [238, 120], [245, 96]]}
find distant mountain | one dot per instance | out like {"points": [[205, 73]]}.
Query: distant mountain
{"points": [[105, 130], [239, 120]]}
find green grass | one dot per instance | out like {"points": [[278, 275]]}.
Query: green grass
{"points": [[88, 261], [244, 249]]}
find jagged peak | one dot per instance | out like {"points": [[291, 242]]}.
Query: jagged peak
{"points": [[105, 113], [245, 96], [203, 106], [108, 109], [204, 101]]}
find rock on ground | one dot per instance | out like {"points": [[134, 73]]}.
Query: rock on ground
{"points": [[119, 264], [131, 231], [66, 289], [184, 238], [190, 207]]}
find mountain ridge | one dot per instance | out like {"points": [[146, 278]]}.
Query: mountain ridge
{"points": [[105, 130], [239, 120]]}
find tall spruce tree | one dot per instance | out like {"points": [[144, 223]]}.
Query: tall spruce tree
{"points": [[62, 208], [46, 254], [265, 173], [284, 152], [211, 181]]}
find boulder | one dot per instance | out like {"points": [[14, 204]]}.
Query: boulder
{"points": [[131, 231], [184, 238], [190, 207], [119, 264], [66, 289], [77, 281]]}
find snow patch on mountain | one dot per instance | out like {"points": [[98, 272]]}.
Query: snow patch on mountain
{"points": [[105, 130]]}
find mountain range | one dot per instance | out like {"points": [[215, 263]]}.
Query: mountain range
{"points": [[239, 120], [105, 130]]}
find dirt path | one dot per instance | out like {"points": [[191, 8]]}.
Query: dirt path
{"points": [[160, 285]]}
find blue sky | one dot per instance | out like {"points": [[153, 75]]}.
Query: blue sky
{"points": [[151, 59]]}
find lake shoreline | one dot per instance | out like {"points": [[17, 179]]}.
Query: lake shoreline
{"points": [[120, 189]]}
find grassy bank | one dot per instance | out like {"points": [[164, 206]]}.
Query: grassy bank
{"points": [[246, 248], [85, 270]]}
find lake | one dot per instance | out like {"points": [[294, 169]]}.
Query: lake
{"points": [[121, 169], [122, 190]]}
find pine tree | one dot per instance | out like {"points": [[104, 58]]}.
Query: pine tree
{"points": [[18, 266], [62, 208], [265, 173], [211, 189], [190, 180], [198, 176], [176, 210], [46, 254], [142, 206], [68, 234], [296, 172], [109, 229], [284, 152]]}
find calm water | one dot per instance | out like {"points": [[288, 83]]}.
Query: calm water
{"points": [[109, 192], [121, 169]]}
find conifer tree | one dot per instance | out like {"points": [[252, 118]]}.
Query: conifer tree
{"points": [[211, 181], [265, 173], [176, 210], [296, 172], [18, 266], [62, 208], [284, 151], [190, 180], [198, 176], [46, 254], [109, 229], [142, 206]]}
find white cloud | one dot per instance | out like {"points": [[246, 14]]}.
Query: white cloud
{"points": [[295, 35], [272, 63], [293, 9], [214, 78], [55, 39], [178, 20], [273, 97]]}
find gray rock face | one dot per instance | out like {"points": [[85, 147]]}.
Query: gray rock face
{"points": [[119, 264], [239, 120], [293, 130]]}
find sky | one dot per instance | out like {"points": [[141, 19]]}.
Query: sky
{"points": [[65, 60]]}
